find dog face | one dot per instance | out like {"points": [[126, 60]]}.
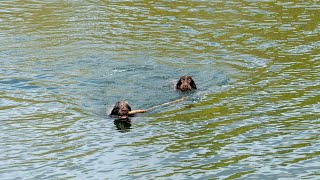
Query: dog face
{"points": [[186, 83], [121, 109]]}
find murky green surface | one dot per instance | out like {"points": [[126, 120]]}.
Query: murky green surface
{"points": [[255, 115]]}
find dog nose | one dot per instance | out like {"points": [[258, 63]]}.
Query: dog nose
{"points": [[185, 87], [124, 110]]}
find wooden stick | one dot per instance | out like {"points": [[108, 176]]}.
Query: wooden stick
{"points": [[164, 104], [137, 111]]}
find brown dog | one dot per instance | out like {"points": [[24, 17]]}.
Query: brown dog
{"points": [[121, 109], [186, 83]]}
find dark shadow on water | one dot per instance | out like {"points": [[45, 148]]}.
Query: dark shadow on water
{"points": [[123, 125]]}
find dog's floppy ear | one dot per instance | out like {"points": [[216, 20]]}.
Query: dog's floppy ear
{"points": [[193, 84], [178, 84], [115, 110], [129, 108]]}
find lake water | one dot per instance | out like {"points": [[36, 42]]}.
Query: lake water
{"points": [[64, 64]]}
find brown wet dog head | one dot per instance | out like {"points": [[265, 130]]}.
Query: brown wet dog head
{"points": [[121, 109], [186, 83]]}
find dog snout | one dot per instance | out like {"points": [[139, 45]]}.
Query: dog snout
{"points": [[185, 87], [123, 111]]}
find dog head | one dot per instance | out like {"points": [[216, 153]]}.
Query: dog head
{"points": [[121, 109], [186, 83]]}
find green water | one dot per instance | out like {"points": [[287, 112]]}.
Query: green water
{"points": [[255, 115]]}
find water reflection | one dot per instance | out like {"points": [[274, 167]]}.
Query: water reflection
{"points": [[123, 125]]}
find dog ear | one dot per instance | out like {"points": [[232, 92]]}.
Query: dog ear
{"points": [[129, 108], [115, 110], [178, 84], [193, 84]]}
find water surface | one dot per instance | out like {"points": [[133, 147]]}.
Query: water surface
{"points": [[64, 64]]}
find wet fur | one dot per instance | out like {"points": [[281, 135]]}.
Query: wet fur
{"points": [[121, 108], [186, 83]]}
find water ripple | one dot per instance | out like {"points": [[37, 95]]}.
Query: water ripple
{"points": [[255, 114]]}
